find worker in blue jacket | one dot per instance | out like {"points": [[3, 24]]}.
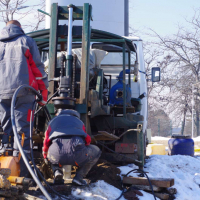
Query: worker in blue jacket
{"points": [[20, 64], [67, 143]]}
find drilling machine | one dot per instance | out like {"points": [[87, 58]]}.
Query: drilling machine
{"points": [[113, 117]]}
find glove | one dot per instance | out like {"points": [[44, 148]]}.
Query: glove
{"points": [[44, 94], [44, 154], [87, 140]]}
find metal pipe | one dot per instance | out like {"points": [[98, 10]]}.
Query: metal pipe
{"points": [[124, 81], [69, 43], [192, 110], [69, 40], [129, 67]]}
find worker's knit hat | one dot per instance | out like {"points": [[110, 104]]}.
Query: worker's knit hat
{"points": [[69, 112]]}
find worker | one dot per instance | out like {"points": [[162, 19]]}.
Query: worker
{"points": [[67, 143], [20, 64]]}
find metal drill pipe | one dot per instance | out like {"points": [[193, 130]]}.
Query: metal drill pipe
{"points": [[69, 40]]}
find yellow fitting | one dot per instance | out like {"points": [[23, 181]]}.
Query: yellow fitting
{"points": [[16, 180]]}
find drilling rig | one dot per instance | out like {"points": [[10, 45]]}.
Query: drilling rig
{"points": [[99, 74]]}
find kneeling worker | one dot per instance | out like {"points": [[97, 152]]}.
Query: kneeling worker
{"points": [[67, 143]]}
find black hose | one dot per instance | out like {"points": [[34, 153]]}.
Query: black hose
{"points": [[17, 138], [47, 113], [135, 162], [144, 173], [31, 133], [46, 103]]}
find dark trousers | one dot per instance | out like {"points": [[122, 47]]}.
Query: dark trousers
{"points": [[22, 118], [67, 152]]}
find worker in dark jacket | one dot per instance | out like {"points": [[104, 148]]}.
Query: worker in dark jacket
{"points": [[20, 64], [67, 143]]}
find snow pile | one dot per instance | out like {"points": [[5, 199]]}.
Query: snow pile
{"points": [[97, 191], [196, 139], [159, 138], [184, 169], [197, 178]]}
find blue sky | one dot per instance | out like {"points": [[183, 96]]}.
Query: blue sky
{"points": [[163, 16]]}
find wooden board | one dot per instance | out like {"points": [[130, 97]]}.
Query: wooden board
{"points": [[109, 135], [162, 195], [102, 137], [148, 188], [159, 182], [30, 197]]}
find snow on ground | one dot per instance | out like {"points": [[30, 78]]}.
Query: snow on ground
{"points": [[98, 191], [104, 191], [184, 169], [196, 139], [159, 138]]}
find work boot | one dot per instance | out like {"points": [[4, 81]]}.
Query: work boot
{"points": [[78, 180], [58, 177], [58, 174]]}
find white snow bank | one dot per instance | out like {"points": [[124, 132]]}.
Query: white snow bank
{"points": [[98, 191], [159, 138], [184, 169], [197, 178], [181, 168], [196, 139]]}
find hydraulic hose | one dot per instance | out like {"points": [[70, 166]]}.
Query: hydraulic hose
{"points": [[47, 102], [17, 139], [143, 173], [31, 131]]}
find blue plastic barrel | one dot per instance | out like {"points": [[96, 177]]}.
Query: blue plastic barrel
{"points": [[181, 145]]}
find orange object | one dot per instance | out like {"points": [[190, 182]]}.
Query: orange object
{"points": [[76, 164], [12, 163], [22, 144]]}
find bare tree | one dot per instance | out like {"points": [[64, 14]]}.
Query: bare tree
{"points": [[29, 17], [182, 69]]}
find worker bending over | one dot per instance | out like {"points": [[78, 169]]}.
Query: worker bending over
{"points": [[67, 143], [20, 64]]}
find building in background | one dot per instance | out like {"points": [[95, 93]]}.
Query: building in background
{"points": [[108, 15]]}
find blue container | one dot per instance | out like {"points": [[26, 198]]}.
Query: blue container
{"points": [[181, 145]]}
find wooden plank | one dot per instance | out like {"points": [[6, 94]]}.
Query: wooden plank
{"points": [[162, 195], [159, 182], [114, 137], [30, 197], [172, 190], [102, 137], [148, 188]]}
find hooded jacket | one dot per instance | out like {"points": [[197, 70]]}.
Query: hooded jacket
{"points": [[19, 62], [67, 123]]}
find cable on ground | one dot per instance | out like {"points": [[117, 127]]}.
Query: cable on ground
{"points": [[139, 170]]}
